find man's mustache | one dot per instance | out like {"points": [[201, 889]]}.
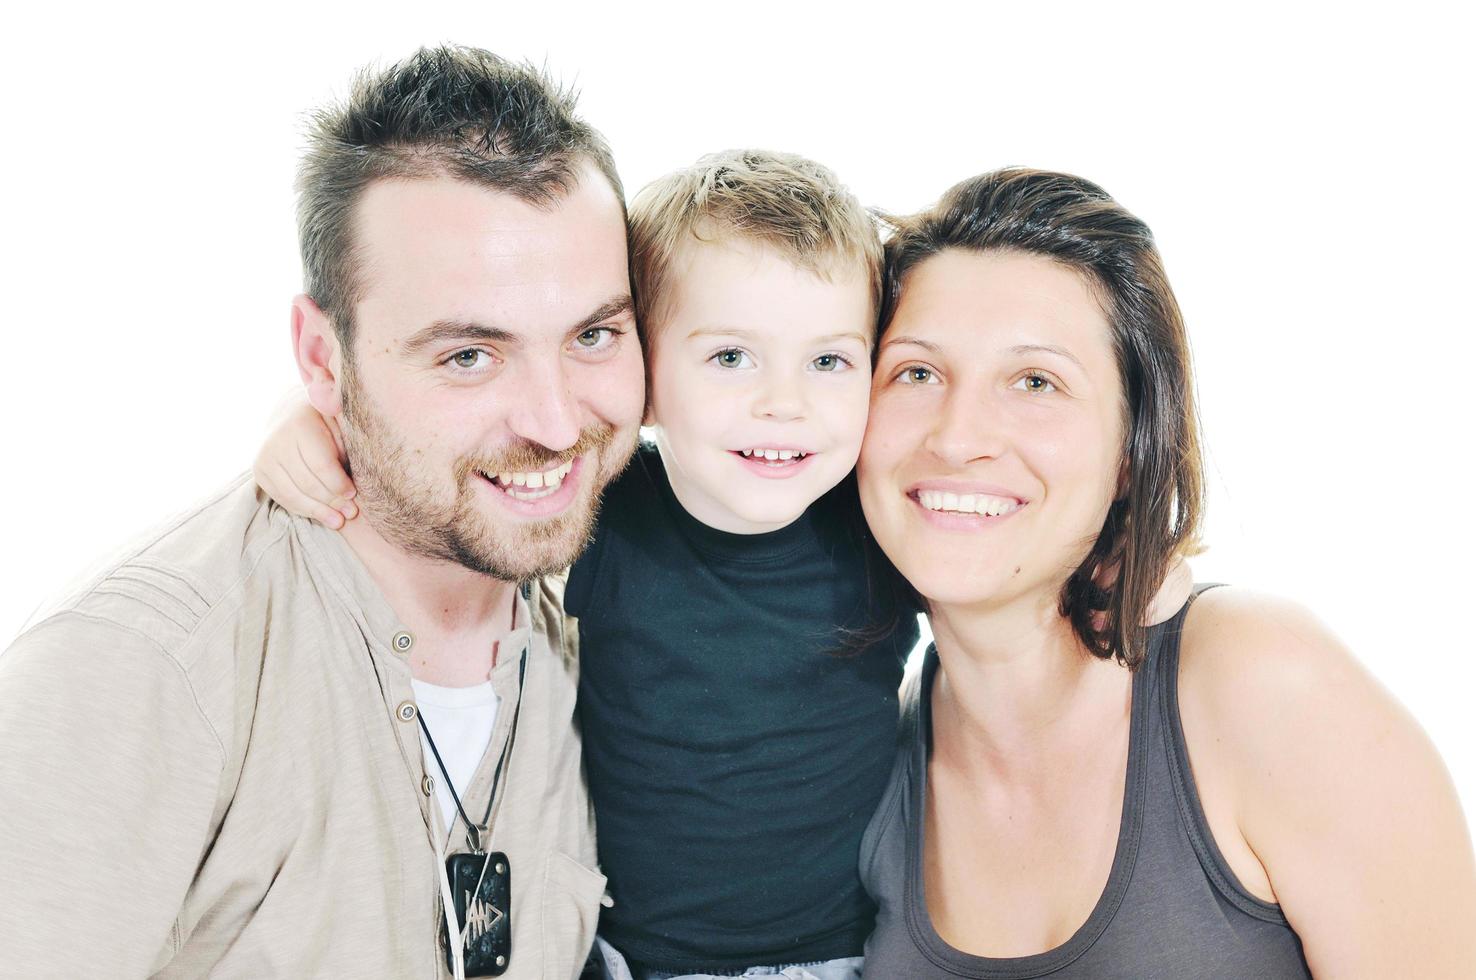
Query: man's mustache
{"points": [[527, 457]]}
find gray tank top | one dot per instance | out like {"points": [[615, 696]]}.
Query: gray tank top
{"points": [[1172, 908]]}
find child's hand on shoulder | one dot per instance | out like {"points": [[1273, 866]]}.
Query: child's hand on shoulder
{"points": [[301, 467]]}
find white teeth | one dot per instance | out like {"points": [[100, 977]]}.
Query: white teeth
{"points": [[534, 485], [777, 455], [966, 503]]}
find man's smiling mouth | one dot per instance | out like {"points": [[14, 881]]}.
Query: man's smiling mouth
{"points": [[531, 485]]}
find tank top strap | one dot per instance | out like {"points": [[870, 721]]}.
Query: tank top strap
{"points": [[1163, 665]]}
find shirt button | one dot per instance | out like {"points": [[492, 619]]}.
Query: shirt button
{"points": [[427, 785], [403, 641], [406, 711]]}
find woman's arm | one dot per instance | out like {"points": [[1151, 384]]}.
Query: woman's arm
{"points": [[1324, 794]]}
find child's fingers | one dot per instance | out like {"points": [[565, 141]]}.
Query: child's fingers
{"points": [[301, 503], [322, 475]]}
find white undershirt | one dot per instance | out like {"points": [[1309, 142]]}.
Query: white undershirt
{"points": [[461, 720]]}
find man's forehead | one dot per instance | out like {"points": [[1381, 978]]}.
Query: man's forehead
{"points": [[442, 214], [438, 247]]}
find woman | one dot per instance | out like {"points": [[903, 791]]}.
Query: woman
{"points": [[1226, 795]]}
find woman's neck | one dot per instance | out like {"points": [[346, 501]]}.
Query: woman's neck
{"points": [[1016, 687]]}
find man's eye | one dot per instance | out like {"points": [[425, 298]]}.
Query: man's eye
{"points": [[467, 359], [1035, 384], [830, 362], [917, 375], [596, 338], [732, 357]]}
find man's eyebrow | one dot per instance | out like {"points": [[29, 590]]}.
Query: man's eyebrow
{"points": [[1046, 349], [457, 330], [443, 331], [616, 306]]}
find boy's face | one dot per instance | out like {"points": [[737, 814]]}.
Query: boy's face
{"points": [[755, 359]]}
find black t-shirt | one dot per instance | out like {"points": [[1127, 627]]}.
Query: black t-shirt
{"points": [[733, 758]]}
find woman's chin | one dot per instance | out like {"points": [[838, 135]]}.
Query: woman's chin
{"points": [[965, 587]]}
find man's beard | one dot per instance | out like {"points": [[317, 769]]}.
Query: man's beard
{"points": [[405, 505]]}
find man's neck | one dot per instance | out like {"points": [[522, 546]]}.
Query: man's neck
{"points": [[454, 614]]}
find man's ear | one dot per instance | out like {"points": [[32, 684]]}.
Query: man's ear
{"points": [[319, 359]]}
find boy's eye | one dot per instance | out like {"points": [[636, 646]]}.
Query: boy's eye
{"points": [[917, 375], [1035, 383], [732, 357], [830, 362]]}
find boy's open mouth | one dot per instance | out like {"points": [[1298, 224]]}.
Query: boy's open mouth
{"points": [[775, 457]]}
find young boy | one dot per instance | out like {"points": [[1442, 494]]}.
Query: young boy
{"points": [[734, 754]]}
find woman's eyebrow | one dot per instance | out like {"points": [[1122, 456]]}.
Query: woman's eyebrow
{"points": [[926, 345], [1047, 349]]}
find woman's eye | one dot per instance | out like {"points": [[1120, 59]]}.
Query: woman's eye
{"points": [[468, 359], [596, 338], [917, 375], [830, 362], [1035, 384], [732, 358]]}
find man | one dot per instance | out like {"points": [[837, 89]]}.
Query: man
{"points": [[212, 755]]}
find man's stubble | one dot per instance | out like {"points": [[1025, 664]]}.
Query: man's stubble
{"points": [[403, 501]]}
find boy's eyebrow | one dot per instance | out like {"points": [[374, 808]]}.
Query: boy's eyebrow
{"points": [[737, 332], [444, 330]]}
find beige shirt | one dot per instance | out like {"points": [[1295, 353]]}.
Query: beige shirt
{"points": [[210, 764]]}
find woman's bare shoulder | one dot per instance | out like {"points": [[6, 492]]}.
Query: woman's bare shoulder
{"points": [[1332, 784]]}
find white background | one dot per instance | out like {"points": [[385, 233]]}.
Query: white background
{"points": [[1307, 173]]}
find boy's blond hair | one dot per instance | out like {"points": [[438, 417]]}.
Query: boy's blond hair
{"points": [[780, 200]]}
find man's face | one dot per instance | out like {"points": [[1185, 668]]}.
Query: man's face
{"points": [[495, 385]]}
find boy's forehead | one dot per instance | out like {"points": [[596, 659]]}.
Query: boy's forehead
{"points": [[740, 281]]}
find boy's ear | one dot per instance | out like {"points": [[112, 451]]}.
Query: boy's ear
{"points": [[319, 360]]}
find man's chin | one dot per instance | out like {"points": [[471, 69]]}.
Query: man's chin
{"points": [[519, 553]]}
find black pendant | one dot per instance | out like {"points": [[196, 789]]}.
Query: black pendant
{"points": [[481, 890]]}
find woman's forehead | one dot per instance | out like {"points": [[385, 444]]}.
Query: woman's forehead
{"points": [[998, 298]]}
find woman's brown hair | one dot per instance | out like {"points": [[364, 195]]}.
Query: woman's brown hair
{"points": [[1156, 515]]}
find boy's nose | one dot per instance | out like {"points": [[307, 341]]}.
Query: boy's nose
{"points": [[781, 401]]}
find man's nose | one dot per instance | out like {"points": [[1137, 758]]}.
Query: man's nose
{"points": [[545, 409]]}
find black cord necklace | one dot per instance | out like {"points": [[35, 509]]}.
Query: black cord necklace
{"points": [[474, 831], [481, 883]]}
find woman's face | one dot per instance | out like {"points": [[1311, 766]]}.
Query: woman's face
{"points": [[993, 448]]}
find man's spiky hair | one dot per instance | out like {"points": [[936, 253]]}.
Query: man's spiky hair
{"points": [[446, 111]]}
